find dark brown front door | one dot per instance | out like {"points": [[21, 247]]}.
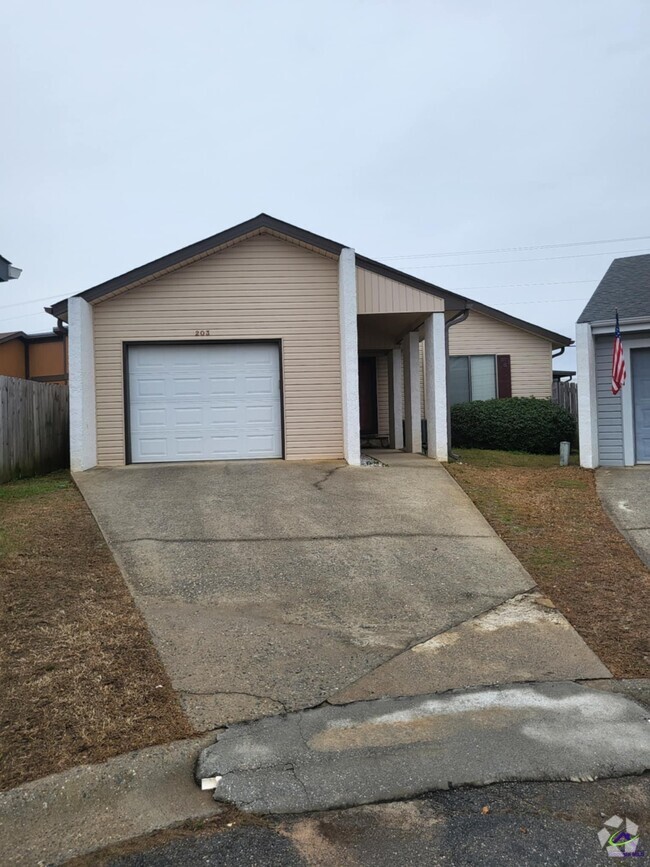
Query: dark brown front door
{"points": [[368, 395]]}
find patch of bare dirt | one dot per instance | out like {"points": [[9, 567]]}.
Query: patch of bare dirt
{"points": [[81, 680], [553, 521]]}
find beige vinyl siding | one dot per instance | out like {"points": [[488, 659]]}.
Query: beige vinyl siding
{"points": [[530, 356], [262, 288], [377, 294]]}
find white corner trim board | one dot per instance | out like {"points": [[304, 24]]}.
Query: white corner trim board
{"points": [[349, 356], [587, 399], [435, 359], [81, 381]]}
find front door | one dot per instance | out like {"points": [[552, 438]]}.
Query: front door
{"points": [[641, 394], [368, 395]]}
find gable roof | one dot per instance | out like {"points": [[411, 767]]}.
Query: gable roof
{"points": [[264, 222], [626, 287]]}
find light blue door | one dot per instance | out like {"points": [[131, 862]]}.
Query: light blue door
{"points": [[641, 394]]}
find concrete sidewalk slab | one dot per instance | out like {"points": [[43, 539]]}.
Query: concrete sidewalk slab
{"points": [[397, 748], [524, 639], [625, 494], [269, 585], [64, 815]]}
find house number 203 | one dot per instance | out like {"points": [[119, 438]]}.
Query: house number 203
{"points": [[201, 333]]}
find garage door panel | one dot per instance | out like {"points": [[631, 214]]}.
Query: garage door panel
{"points": [[154, 449], [147, 387], [150, 416], [187, 415], [262, 414], [204, 402], [222, 385], [189, 447], [223, 448]]}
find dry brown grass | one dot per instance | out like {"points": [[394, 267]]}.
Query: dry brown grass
{"points": [[553, 521], [81, 680]]}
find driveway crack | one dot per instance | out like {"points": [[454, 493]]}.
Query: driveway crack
{"points": [[217, 692], [339, 537], [328, 475]]}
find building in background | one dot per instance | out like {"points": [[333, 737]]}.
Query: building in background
{"points": [[43, 357], [8, 271], [615, 428]]}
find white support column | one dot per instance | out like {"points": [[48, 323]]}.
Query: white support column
{"points": [[435, 378], [349, 356], [412, 412], [587, 401], [81, 367], [395, 398]]}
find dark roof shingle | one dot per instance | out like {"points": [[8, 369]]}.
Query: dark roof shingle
{"points": [[626, 287]]}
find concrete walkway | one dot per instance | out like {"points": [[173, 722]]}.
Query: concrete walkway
{"points": [[625, 494], [398, 748], [272, 586]]}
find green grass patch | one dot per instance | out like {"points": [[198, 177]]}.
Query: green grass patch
{"points": [[494, 458], [546, 557], [22, 489], [570, 483]]}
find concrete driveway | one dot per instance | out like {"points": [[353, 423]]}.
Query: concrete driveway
{"points": [[625, 493], [271, 586]]}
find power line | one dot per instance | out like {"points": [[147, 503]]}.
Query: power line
{"points": [[23, 316], [27, 301], [517, 261], [513, 285], [545, 301], [522, 249]]}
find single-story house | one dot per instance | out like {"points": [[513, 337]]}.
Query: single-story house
{"points": [[268, 341], [42, 357], [615, 428]]}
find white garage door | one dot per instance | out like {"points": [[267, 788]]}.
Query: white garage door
{"points": [[204, 402]]}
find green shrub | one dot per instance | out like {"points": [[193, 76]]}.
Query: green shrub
{"points": [[514, 424]]}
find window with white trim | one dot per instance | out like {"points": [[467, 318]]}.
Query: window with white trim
{"points": [[472, 377]]}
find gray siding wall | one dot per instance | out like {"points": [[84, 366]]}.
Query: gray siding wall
{"points": [[610, 408]]}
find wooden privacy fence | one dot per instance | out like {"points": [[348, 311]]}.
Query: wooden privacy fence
{"points": [[33, 427], [565, 394]]}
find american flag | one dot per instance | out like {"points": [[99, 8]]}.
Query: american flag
{"points": [[618, 360]]}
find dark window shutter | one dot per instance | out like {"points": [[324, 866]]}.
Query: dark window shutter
{"points": [[504, 380]]}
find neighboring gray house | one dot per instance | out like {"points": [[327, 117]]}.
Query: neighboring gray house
{"points": [[615, 429], [8, 271]]}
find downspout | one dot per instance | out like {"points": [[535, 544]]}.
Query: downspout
{"points": [[559, 352], [455, 320]]}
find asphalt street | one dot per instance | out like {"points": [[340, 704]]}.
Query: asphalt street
{"points": [[508, 823]]}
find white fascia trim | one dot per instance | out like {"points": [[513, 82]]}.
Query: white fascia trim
{"points": [[349, 356], [81, 382], [412, 412], [587, 398], [632, 323], [395, 398], [435, 397]]}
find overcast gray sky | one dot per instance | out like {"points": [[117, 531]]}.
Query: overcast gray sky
{"points": [[405, 128]]}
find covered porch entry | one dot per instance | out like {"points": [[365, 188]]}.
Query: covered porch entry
{"points": [[402, 380]]}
